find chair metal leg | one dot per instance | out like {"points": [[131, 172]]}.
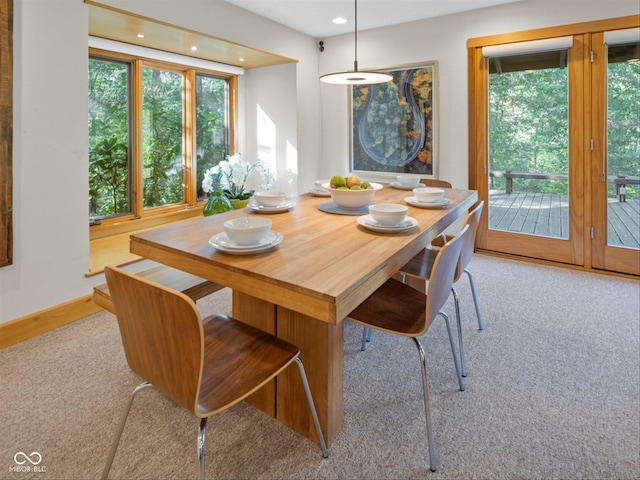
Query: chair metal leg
{"points": [[456, 302], [427, 410], [453, 350], [312, 407], [475, 299], [202, 433], [123, 421], [366, 337]]}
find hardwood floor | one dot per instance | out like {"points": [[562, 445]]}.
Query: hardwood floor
{"points": [[548, 215]]}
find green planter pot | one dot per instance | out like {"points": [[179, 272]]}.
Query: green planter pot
{"points": [[237, 204]]}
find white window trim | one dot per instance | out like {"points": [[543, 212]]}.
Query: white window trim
{"points": [[138, 51], [522, 48], [618, 37]]}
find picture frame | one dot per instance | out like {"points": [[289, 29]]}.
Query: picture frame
{"points": [[394, 124]]}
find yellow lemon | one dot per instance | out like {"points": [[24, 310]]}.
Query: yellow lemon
{"points": [[353, 180]]}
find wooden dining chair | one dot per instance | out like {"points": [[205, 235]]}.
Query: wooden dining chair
{"points": [[400, 309], [421, 266], [205, 365], [434, 182]]}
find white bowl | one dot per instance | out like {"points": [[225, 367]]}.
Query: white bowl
{"points": [[428, 194], [352, 199], [319, 183], [388, 214], [247, 230], [269, 198], [408, 179]]}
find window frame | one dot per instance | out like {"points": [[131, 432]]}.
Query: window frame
{"points": [[147, 217]]}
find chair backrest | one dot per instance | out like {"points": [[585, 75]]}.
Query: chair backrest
{"points": [[468, 246], [442, 274], [432, 182], [161, 333]]}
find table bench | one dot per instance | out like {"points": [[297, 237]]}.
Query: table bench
{"points": [[190, 285]]}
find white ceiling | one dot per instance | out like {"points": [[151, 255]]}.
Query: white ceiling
{"points": [[314, 17]]}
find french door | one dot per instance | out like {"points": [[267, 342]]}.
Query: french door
{"points": [[615, 166], [553, 138]]}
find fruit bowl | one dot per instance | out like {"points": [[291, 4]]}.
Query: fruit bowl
{"points": [[352, 199]]}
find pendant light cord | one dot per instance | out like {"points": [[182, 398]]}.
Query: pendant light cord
{"points": [[355, 56]]}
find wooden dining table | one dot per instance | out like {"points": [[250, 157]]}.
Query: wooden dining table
{"points": [[303, 288]]}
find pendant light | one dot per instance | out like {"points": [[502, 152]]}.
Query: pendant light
{"points": [[356, 77]]}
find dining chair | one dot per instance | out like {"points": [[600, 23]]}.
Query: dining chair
{"points": [[433, 182], [421, 266], [439, 240], [400, 309], [206, 364]]}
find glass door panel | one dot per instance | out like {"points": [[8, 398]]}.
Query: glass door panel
{"points": [[533, 205], [623, 145], [529, 144], [616, 183]]}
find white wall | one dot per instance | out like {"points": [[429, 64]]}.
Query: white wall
{"points": [[50, 166], [51, 254], [270, 122]]}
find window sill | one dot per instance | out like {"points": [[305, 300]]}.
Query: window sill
{"points": [[109, 243]]}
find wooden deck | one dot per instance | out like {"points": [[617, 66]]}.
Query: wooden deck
{"points": [[548, 215]]}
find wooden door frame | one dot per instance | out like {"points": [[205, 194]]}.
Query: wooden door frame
{"points": [[580, 135]]}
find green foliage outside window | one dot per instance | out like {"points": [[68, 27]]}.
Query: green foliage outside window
{"points": [[623, 129], [162, 128], [528, 125], [111, 162], [212, 144], [109, 169]]}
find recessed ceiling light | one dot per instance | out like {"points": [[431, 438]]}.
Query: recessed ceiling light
{"points": [[194, 48], [140, 35], [339, 20], [241, 59]]}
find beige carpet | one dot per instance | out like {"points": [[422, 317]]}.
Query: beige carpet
{"points": [[552, 393]]}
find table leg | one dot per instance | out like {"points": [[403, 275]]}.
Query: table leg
{"points": [[262, 315], [321, 351]]}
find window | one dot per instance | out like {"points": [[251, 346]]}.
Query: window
{"points": [[154, 128], [109, 158], [212, 107]]}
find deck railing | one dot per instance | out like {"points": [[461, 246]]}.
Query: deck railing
{"points": [[620, 181]]}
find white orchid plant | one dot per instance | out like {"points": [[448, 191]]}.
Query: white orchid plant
{"points": [[230, 176]]}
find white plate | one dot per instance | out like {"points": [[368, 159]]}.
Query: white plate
{"points": [[332, 207], [319, 192], [402, 186], [367, 221], [443, 202], [256, 207], [222, 242]]}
